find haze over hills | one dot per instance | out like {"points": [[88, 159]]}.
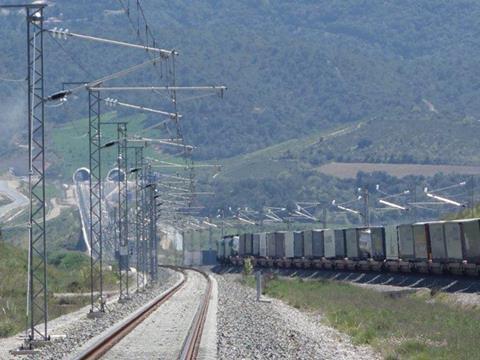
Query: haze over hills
{"points": [[401, 77]]}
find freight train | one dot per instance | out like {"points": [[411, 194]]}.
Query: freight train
{"points": [[437, 247]]}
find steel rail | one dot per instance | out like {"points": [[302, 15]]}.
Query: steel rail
{"points": [[191, 346], [104, 345]]}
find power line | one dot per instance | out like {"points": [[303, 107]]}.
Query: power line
{"points": [[12, 80], [72, 58], [136, 28]]}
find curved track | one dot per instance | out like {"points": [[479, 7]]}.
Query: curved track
{"points": [[169, 327]]}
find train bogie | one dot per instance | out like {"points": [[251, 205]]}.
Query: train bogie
{"points": [[363, 265], [392, 265], [307, 263], [317, 263], [405, 266], [262, 261], [351, 264], [422, 267], [340, 264], [471, 269], [328, 264], [298, 263], [455, 268], [436, 267]]}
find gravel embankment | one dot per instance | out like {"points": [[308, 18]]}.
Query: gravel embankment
{"points": [[79, 330], [260, 330]]}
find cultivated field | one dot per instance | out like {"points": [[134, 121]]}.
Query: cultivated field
{"points": [[350, 170]]}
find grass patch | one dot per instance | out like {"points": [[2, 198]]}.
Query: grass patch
{"points": [[400, 328]]}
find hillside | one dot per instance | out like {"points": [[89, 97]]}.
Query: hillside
{"points": [[291, 68], [284, 173], [401, 77]]}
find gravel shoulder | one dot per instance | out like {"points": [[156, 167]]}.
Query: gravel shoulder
{"points": [[273, 330], [76, 329]]}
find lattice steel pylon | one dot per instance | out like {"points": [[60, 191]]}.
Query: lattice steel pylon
{"points": [[146, 178], [153, 248], [97, 301], [122, 163], [37, 256], [139, 216], [150, 225]]}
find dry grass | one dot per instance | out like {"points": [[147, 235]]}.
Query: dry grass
{"points": [[400, 328]]}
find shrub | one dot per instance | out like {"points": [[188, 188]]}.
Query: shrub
{"points": [[247, 267]]}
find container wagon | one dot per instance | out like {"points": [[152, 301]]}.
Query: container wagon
{"points": [[426, 247], [298, 247], [284, 248], [470, 234], [271, 254]]}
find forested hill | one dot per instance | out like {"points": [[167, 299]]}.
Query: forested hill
{"points": [[292, 67]]}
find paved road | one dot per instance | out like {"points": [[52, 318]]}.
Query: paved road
{"points": [[7, 188]]}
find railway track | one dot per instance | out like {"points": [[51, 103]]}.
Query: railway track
{"points": [[141, 334]]}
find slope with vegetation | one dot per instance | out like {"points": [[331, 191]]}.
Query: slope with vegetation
{"points": [[291, 68], [420, 326], [405, 71], [66, 272]]}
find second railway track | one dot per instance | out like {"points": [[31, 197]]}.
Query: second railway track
{"points": [[170, 327]]}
